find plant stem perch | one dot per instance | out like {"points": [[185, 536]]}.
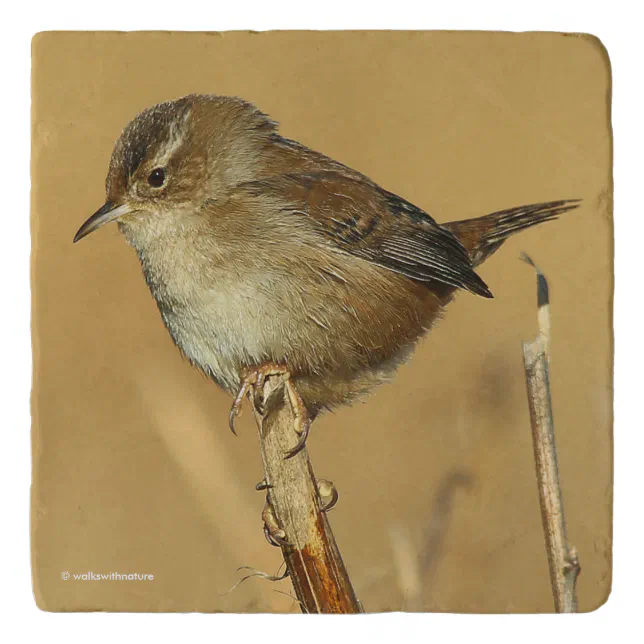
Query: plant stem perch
{"points": [[312, 558], [562, 559]]}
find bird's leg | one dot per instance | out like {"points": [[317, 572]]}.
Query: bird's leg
{"points": [[328, 494], [252, 377], [302, 418], [273, 532]]}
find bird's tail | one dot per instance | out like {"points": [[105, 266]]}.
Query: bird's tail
{"points": [[483, 236]]}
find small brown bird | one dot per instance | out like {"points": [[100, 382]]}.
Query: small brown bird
{"points": [[266, 257]]}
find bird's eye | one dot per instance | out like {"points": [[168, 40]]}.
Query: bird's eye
{"points": [[157, 178]]}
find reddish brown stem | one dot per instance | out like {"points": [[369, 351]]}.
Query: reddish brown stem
{"points": [[313, 560]]}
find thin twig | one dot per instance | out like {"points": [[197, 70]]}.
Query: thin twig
{"points": [[415, 568], [313, 560], [408, 571], [562, 559], [438, 526], [258, 574]]}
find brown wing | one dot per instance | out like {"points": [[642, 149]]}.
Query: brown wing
{"points": [[376, 225]]}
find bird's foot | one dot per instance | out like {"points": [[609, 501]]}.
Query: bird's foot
{"points": [[254, 377], [328, 494], [273, 532]]}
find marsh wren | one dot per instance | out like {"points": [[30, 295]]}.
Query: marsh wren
{"points": [[265, 256]]}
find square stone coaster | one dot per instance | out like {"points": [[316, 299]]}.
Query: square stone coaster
{"points": [[142, 499]]}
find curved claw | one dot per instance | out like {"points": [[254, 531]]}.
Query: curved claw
{"points": [[277, 538], [301, 443], [231, 419], [281, 540], [302, 417], [327, 490], [235, 410]]}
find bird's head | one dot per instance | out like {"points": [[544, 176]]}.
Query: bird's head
{"points": [[175, 155]]}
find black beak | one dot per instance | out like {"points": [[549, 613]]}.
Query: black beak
{"points": [[108, 212]]}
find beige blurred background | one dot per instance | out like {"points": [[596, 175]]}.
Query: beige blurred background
{"points": [[135, 469]]}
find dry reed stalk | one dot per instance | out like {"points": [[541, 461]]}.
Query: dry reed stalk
{"points": [[562, 559]]}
